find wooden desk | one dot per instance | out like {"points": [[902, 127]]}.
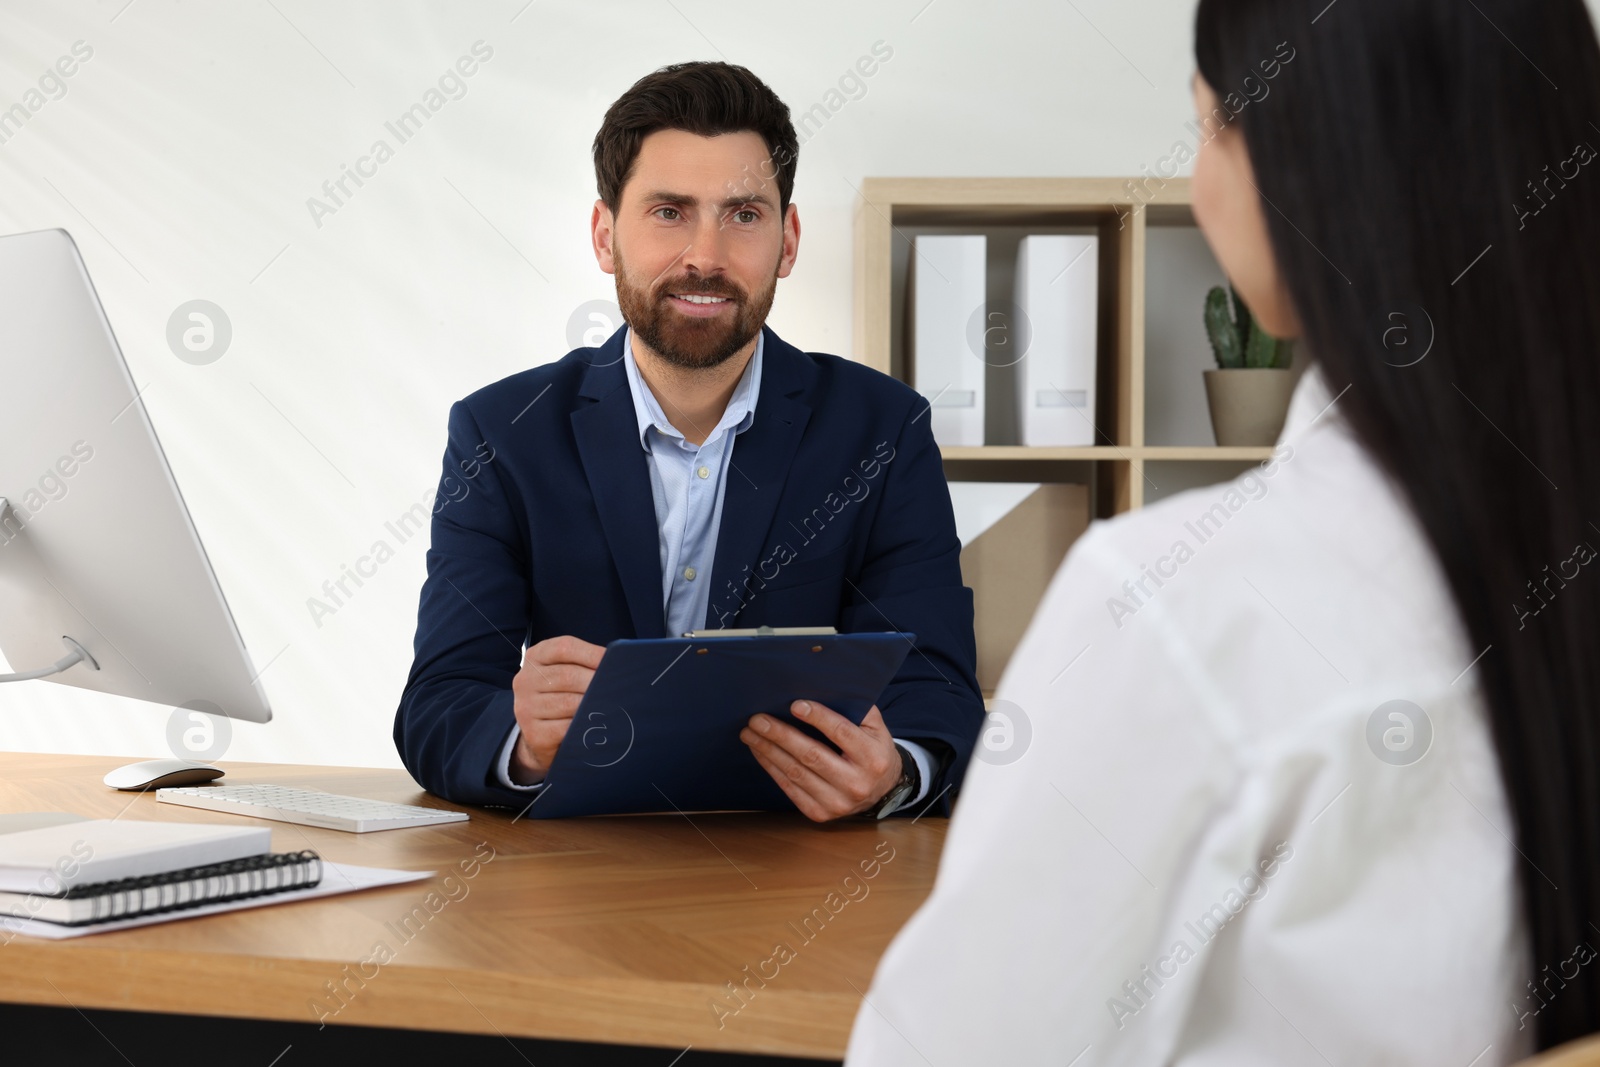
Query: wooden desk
{"points": [[620, 930]]}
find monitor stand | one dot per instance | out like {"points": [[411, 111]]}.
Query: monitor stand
{"points": [[14, 539]]}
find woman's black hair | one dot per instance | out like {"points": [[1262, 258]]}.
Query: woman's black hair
{"points": [[1429, 174]]}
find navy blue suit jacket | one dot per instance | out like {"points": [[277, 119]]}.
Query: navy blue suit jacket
{"points": [[836, 512]]}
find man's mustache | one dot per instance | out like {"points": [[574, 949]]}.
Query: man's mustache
{"points": [[700, 287]]}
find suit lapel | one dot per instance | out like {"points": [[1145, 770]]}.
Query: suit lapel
{"points": [[607, 433], [758, 470]]}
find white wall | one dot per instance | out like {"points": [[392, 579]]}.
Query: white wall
{"points": [[185, 149]]}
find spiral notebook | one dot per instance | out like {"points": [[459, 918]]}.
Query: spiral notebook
{"points": [[335, 878], [50, 859], [71, 876], [155, 894]]}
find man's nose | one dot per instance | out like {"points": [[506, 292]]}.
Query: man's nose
{"points": [[706, 253]]}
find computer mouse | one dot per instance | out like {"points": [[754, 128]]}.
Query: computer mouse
{"points": [[155, 773]]}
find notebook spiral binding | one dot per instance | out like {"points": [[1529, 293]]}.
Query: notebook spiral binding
{"points": [[153, 894]]}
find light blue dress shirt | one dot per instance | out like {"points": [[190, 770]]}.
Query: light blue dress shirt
{"points": [[688, 483]]}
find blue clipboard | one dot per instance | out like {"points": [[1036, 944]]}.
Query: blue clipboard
{"points": [[658, 728]]}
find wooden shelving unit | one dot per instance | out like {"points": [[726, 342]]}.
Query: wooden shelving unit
{"points": [[890, 211], [1203, 452], [1121, 214]]}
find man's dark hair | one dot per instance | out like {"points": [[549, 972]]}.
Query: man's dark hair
{"points": [[707, 99]]}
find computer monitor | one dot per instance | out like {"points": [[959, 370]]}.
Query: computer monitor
{"points": [[104, 584]]}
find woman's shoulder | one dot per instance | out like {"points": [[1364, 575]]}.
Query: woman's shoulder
{"points": [[1297, 582]]}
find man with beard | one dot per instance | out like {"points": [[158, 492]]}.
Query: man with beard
{"points": [[693, 472]]}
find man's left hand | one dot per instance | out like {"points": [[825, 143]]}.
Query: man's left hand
{"points": [[825, 784]]}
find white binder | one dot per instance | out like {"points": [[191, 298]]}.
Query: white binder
{"points": [[946, 280], [1057, 287]]}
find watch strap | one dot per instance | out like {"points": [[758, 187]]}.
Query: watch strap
{"points": [[904, 789]]}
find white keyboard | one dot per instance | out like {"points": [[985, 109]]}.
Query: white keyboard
{"points": [[308, 807]]}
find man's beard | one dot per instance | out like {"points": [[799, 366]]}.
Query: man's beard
{"points": [[692, 343]]}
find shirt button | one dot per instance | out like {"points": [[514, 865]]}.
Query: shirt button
{"points": [[688, 574], [704, 472]]}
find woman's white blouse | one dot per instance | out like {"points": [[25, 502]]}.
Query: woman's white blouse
{"points": [[1238, 803]]}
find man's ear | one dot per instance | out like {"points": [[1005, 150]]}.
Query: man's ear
{"points": [[602, 231], [791, 241]]}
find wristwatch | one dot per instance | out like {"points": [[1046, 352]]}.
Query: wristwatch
{"points": [[902, 791]]}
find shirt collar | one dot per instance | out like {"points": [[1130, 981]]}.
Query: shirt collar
{"points": [[1311, 405], [739, 414]]}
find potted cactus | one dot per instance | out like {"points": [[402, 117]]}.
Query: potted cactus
{"points": [[1249, 391]]}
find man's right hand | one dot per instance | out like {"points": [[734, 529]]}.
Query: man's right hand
{"points": [[545, 693]]}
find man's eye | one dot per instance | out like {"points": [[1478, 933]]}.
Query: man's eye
{"points": [[745, 216], [669, 214]]}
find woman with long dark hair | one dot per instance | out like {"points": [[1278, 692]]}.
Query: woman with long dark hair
{"points": [[1314, 771]]}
